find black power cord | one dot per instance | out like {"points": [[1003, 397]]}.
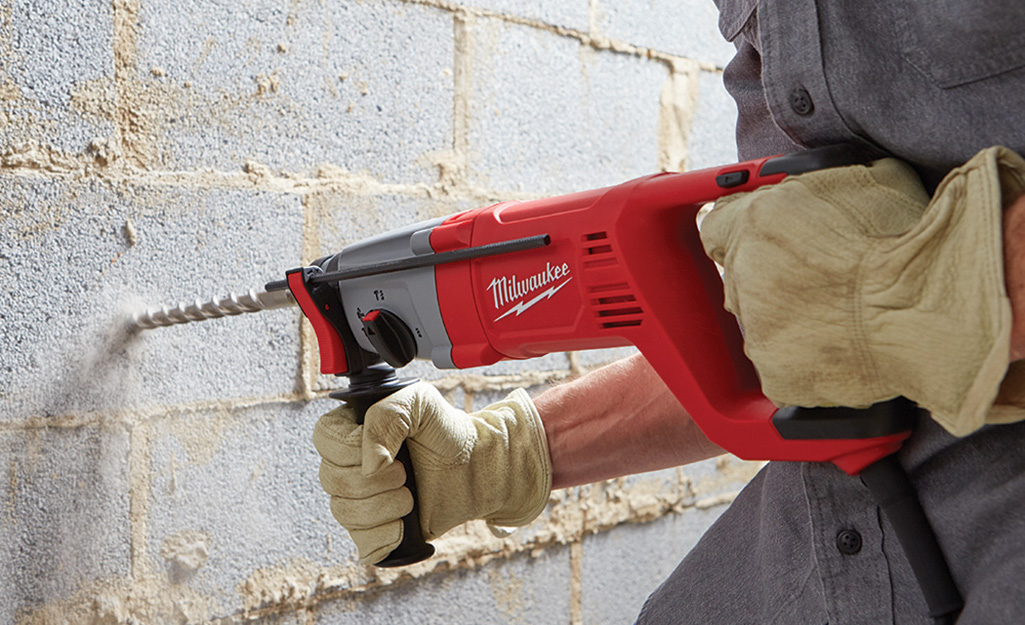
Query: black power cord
{"points": [[893, 491]]}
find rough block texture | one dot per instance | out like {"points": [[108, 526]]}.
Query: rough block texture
{"points": [[522, 589], [564, 13], [225, 509], [550, 115], [620, 569], [75, 273], [155, 152], [363, 85], [65, 512], [684, 28], [54, 51], [711, 142]]}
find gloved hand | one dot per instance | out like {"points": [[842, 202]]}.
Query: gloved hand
{"points": [[492, 464], [854, 287]]}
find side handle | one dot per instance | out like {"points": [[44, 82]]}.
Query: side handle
{"points": [[370, 380], [361, 395]]}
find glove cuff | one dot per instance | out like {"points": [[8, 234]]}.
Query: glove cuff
{"points": [[530, 475], [969, 320]]}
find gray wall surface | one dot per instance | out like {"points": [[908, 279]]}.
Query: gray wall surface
{"points": [[152, 152]]}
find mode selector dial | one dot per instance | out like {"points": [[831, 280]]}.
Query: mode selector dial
{"points": [[391, 337]]}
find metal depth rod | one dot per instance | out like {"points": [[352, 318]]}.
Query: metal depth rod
{"points": [[432, 260]]}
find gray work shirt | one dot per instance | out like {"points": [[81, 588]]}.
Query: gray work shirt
{"points": [[931, 82]]}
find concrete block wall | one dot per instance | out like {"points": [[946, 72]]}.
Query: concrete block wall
{"points": [[155, 151]]}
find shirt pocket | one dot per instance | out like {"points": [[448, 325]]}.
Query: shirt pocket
{"points": [[956, 42]]}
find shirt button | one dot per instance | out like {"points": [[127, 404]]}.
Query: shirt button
{"points": [[800, 101], [848, 542]]}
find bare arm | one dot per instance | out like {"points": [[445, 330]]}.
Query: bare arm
{"points": [[615, 421]]}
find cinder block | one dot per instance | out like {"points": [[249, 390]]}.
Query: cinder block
{"points": [[622, 567], [564, 13], [549, 115], [79, 255], [687, 28], [259, 516], [364, 85], [229, 513], [522, 589], [64, 520], [713, 138], [55, 52], [240, 487], [344, 218]]}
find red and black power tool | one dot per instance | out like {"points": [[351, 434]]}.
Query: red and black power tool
{"points": [[612, 267]]}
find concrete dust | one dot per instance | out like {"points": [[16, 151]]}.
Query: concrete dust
{"points": [[32, 156], [202, 435], [95, 373], [103, 377], [90, 373], [131, 234]]}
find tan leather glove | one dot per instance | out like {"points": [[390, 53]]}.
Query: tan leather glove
{"points": [[492, 464], [854, 287]]}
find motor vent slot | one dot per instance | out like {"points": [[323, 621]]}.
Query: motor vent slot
{"points": [[596, 248], [615, 306], [597, 243]]}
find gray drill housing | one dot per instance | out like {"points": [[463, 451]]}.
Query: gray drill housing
{"points": [[411, 294]]}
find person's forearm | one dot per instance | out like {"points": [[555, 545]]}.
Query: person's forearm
{"points": [[615, 421]]}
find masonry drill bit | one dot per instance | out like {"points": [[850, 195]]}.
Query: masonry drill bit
{"points": [[253, 301]]}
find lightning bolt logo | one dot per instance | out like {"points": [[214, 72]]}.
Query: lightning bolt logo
{"points": [[521, 307]]}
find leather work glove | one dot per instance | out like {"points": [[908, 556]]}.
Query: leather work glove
{"points": [[853, 286], [492, 464]]}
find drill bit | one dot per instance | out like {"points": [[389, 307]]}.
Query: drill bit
{"points": [[253, 301]]}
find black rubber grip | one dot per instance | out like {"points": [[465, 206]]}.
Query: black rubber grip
{"points": [[839, 155], [413, 547]]}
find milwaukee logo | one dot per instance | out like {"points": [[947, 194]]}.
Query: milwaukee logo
{"points": [[508, 289]]}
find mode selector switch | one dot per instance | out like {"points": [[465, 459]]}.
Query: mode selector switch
{"points": [[390, 336]]}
